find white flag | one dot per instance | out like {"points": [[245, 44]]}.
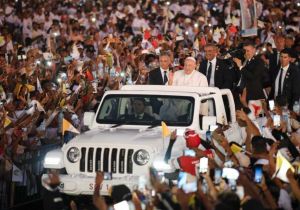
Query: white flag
{"points": [[38, 85]]}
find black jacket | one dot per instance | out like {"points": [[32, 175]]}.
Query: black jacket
{"points": [[155, 77], [224, 76], [273, 66], [291, 85], [253, 74]]}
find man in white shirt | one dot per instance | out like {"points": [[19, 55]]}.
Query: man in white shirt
{"points": [[189, 76]]}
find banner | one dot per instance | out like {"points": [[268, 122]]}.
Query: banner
{"points": [[249, 18]]}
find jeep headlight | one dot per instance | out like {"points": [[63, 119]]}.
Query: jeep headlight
{"points": [[141, 157], [73, 154]]}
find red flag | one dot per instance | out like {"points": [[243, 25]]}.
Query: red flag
{"points": [[89, 76], [256, 109], [203, 41], [233, 29], [154, 43], [160, 37], [147, 34]]}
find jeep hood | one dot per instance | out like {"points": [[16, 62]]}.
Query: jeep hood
{"points": [[150, 138]]}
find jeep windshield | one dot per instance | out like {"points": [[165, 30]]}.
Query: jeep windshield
{"points": [[146, 110]]}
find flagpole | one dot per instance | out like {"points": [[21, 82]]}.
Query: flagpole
{"points": [[61, 121], [164, 143]]}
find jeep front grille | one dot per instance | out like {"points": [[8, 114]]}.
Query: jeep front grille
{"points": [[107, 160]]}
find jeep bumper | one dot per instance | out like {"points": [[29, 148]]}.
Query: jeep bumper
{"points": [[82, 184]]}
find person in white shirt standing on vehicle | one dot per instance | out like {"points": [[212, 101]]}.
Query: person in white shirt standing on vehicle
{"points": [[189, 76]]}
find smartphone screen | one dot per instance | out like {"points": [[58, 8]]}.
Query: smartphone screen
{"points": [[203, 165], [232, 184], [271, 105], [258, 172], [189, 152], [208, 135], [107, 176], [123, 205], [218, 176], [187, 182], [276, 120], [240, 192]]}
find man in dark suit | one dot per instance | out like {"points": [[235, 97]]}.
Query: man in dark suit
{"points": [[274, 58], [287, 80], [217, 72], [160, 76], [252, 73], [139, 111]]}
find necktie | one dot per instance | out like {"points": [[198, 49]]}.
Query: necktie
{"points": [[165, 77], [279, 84], [277, 59], [209, 72]]}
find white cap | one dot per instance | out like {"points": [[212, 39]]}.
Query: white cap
{"points": [[191, 58]]}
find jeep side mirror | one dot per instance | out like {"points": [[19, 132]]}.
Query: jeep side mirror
{"points": [[207, 121], [88, 118]]}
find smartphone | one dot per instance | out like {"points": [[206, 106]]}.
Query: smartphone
{"points": [[232, 184], [189, 152], [218, 176], [276, 120], [208, 135], [258, 173], [153, 193], [123, 205], [203, 165], [271, 105], [187, 182], [107, 176], [240, 192]]}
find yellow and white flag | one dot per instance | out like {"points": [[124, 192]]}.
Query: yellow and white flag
{"points": [[235, 148], [7, 122], [282, 166], [30, 88], [165, 130], [67, 126]]}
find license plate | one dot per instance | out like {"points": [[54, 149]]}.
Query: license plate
{"points": [[103, 187]]}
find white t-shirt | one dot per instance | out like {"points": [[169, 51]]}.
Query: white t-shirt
{"points": [[194, 79]]}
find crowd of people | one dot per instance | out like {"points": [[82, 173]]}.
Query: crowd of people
{"points": [[57, 58]]}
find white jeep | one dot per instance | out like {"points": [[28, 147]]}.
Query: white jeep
{"points": [[126, 146]]}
